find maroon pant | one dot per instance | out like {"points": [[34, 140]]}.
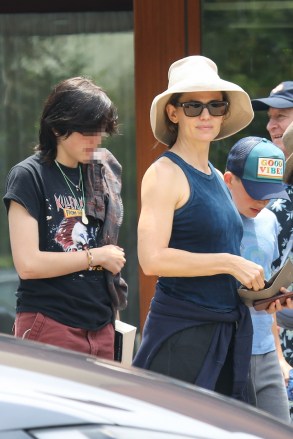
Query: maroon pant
{"points": [[38, 327]]}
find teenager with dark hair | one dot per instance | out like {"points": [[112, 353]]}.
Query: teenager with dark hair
{"points": [[63, 243]]}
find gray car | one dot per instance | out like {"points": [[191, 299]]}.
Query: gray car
{"points": [[49, 393]]}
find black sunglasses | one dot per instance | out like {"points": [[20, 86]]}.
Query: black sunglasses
{"points": [[195, 108]]}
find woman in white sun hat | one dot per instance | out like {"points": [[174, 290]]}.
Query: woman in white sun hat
{"points": [[189, 235]]}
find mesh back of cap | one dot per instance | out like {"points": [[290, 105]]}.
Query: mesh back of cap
{"points": [[238, 154]]}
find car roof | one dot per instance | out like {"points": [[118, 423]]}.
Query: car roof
{"points": [[36, 375]]}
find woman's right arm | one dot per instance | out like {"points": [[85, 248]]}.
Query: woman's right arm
{"points": [[163, 191], [31, 263]]}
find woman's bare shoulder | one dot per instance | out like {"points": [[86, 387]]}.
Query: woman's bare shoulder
{"points": [[162, 169]]}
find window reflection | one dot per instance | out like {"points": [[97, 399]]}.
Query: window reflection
{"points": [[252, 44], [39, 50]]}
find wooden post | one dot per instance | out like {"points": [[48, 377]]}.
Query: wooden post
{"points": [[163, 32]]}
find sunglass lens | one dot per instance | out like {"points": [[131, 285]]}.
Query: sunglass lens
{"points": [[217, 108], [193, 110]]}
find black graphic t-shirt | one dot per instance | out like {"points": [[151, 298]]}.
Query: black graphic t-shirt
{"points": [[79, 299]]}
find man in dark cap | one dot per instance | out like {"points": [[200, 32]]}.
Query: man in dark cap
{"points": [[279, 106]]}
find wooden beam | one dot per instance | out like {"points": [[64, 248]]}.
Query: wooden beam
{"points": [[163, 32], [38, 6], [193, 18]]}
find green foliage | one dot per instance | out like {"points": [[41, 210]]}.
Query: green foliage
{"points": [[31, 64], [252, 44], [6, 261]]}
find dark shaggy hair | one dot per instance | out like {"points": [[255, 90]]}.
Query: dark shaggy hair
{"points": [[74, 105]]}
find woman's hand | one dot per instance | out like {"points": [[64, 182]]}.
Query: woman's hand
{"points": [[111, 257], [248, 273]]}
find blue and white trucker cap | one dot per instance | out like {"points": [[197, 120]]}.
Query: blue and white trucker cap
{"points": [[260, 165]]}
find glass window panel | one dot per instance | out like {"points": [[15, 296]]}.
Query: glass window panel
{"points": [[252, 44], [37, 51]]}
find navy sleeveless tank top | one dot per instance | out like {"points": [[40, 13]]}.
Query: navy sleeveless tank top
{"points": [[208, 223]]}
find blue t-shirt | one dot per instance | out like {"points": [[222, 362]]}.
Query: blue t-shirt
{"points": [[260, 245], [207, 223]]}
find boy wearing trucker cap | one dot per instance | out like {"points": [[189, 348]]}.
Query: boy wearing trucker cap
{"points": [[254, 175]]}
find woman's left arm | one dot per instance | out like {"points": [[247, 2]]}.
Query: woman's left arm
{"points": [[285, 367]]}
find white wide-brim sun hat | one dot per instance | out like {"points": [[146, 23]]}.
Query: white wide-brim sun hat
{"points": [[198, 73], [288, 143]]}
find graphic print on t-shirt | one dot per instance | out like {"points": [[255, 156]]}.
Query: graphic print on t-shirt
{"points": [[71, 234]]}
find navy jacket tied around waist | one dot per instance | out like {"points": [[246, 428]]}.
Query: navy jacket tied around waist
{"points": [[169, 315]]}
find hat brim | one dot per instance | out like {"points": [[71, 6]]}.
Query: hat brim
{"points": [[240, 112], [288, 175], [272, 101], [288, 138], [288, 143], [265, 191]]}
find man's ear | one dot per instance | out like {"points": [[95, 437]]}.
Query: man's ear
{"points": [[172, 113], [228, 179]]}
